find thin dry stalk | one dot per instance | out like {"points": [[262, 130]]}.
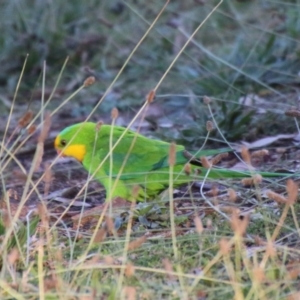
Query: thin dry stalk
{"points": [[40, 146], [45, 129], [40, 265], [44, 216], [47, 178], [292, 190]]}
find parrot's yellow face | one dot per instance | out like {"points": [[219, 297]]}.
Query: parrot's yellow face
{"points": [[73, 149], [75, 141]]}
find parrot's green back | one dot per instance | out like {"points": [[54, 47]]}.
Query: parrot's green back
{"points": [[136, 161]]}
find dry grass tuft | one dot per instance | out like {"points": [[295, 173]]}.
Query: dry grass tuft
{"points": [[151, 96], [205, 162], [66, 263], [187, 169], [44, 216], [135, 191], [89, 81], [13, 256], [137, 243], [258, 274], [129, 293], [292, 190], [294, 296], [216, 159], [239, 225], [214, 191], [206, 100], [6, 220], [198, 225], [98, 125], [110, 226], [271, 249], [293, 112], [172, 154], [232, 194], [25, 120], [246, 155], [254, 180], [210, 126], [225, 247], [50, 283], [129, 270], [31, 129], [168, 267], [114, 113], [276, 197], [259, 153]]}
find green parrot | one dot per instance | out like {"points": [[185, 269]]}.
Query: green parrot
{"points": [[122, 160]]}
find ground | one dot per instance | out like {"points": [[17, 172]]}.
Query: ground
{"points": [[218, 239]]}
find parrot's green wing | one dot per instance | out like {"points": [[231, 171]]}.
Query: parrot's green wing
{"points": [[135, 155]]}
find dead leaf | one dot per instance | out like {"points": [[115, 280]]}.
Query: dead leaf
{"points": [[269, 140]]}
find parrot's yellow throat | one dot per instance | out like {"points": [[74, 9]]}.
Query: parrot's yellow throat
{"points": [[77, 151]]}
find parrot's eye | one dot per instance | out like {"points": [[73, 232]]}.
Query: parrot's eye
{"points": [[63, 142]]}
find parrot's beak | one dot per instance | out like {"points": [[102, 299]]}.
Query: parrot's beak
{"points": [[56, 145], [60, 153]]}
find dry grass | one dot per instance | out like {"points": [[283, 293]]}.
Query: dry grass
{"points": [[221, 239]]}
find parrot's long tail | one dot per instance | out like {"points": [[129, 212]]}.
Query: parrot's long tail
{"points": [[218, 173]]}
